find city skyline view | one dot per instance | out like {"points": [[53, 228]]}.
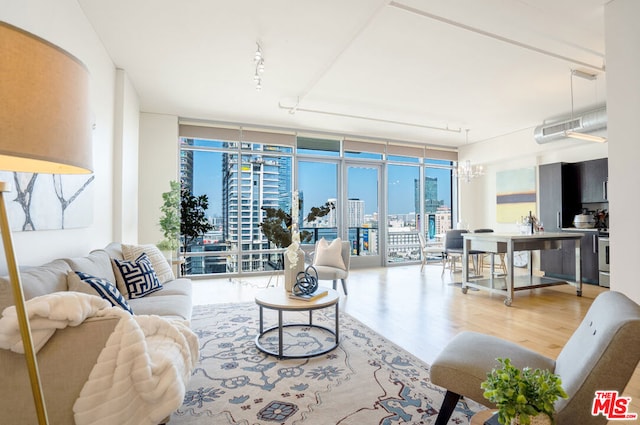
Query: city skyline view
{"points": [[240, 184], [320, 181]]}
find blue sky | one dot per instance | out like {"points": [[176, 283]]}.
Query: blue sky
{"points": [[318, 182]]}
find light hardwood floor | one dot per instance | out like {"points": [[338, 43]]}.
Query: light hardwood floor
{"points": [[421, 312]]}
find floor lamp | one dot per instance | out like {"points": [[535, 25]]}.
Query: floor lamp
{"points": [[44, 128]]}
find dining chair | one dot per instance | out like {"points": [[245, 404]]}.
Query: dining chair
{"points": [[426, 250], [453, 244]]}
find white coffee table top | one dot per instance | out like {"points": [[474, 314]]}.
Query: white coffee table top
{"points": [[277, 298]]}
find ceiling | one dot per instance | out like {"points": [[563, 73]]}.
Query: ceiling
{"points": [[409, 70]]}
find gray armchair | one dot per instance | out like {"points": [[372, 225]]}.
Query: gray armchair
{"points": [[329, 272], [602, 354]]}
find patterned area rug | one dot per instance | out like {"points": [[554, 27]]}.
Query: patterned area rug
{"points": [[366, 380]]}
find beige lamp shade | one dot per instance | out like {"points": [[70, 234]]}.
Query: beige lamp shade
{"points": [[44, 106]]}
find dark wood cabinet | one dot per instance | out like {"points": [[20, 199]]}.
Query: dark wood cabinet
{"points": [[563, 192], [559, 202], [593, 180], [589, 256]]}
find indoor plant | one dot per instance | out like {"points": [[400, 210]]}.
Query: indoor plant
{"points": [[170, 219], [522, 395]]}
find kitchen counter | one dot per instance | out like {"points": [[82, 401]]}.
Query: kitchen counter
{"points": [[509, 243]]}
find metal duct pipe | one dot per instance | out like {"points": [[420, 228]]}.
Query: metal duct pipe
{"points": [[587, 122]]}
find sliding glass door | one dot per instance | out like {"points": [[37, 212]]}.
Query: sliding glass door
{"points": [[362, 213]]}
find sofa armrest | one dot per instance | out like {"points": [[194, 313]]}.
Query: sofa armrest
{"points": [[65, 363]]}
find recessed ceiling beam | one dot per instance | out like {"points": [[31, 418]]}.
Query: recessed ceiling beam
{"points": [[494, 36]]}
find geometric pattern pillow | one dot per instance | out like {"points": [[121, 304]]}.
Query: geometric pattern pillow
{"points": [[137, 277], [103, 287], [159, 262]]}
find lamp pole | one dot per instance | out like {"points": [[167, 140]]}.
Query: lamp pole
{"points": [[21, 311]]}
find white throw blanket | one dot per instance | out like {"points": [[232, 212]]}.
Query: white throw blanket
{"points": [[140, 375]]}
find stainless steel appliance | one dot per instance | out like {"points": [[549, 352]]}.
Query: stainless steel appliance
{"points": [[603, 261]]}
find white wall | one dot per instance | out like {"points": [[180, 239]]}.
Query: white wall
{"points": [[63, 23], [623, 91], [125, 161], [159, 165], [510, 152]]}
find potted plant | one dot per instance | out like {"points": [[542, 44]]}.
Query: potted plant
{"points": [[523, 396], [170, 219]]}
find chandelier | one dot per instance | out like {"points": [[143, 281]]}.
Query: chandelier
{"points": [[465, 171], [258, 61]]}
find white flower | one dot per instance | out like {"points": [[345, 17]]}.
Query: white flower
{"points": [[292, 252]]}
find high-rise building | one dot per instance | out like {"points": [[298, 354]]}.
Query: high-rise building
{"points": [[261, 181], [355, 213], [332, 219], [431, 201]]}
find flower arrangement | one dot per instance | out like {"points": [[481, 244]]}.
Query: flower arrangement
{"points": [[522, 394], [292, 249], [281, 228]]}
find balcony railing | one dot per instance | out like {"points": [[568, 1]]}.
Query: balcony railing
{"points": [[222, 257]]}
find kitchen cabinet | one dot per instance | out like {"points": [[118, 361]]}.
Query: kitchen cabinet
{"points": [[594, 176], [559, 202], [589, 256]]}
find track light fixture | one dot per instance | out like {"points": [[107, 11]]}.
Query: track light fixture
{"points": [[258, 61]]}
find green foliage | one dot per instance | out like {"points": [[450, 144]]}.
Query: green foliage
{"points": [[523, 392], [276, 225], [193, 219], [170, 219]]}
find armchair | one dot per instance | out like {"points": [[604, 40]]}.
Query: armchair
{"points": [[602, 354], [329, 260]]}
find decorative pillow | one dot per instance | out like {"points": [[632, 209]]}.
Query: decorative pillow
{"points": [[136, 278], [158, 261], [329, 254], [85, 283]]}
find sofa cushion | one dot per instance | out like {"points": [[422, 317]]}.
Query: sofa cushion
{"points": [[85, 283], [136, 278], [114, 249], [161, 304], [180, 286], [97, 263], [36, 281], [159, 262]]}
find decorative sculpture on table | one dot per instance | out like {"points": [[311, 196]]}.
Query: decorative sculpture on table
{"points": [[306, 282]]}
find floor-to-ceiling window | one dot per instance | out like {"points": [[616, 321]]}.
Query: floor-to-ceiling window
{"points": [[403, 212], [438, 198], [382, 195], [241, 178]]}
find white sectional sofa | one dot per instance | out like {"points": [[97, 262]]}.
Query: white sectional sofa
{"points": [[69, 356]]}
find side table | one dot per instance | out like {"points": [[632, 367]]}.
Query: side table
{"points": [[278, 299], [480, 417]]}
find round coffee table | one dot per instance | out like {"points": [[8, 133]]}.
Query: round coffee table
{"points": [[278, 299]]}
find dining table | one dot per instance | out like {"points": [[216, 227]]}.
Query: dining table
{"points": [[512, 244]]}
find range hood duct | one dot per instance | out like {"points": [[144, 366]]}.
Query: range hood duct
{"points": [[587, 122]]}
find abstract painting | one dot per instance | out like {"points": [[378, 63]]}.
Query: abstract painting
{"points": [[48, 201], [515, 194]]}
